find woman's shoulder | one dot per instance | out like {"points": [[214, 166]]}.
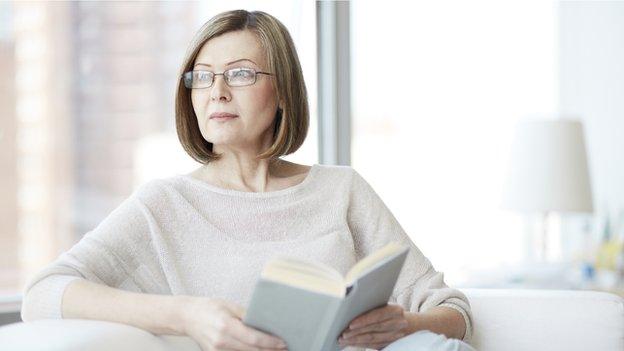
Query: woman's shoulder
{"points": [[345, 173], [335, 175], [343, 170], [340, 177], [153, 189]]}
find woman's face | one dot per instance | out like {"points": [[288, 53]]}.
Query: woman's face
{"points": [[255, 105]]}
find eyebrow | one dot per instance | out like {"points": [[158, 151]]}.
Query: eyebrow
{"points": [[229, 63]]}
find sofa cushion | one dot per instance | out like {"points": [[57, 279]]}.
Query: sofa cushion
{"points": [[523, 319], [87, 335]]}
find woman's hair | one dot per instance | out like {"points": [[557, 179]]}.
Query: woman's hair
{"points": [[291, 125]]}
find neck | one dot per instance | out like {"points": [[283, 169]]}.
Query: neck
{"points": [[242, 172], [238, 167]]}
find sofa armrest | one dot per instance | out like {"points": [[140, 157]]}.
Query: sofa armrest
{"points": [[515, 320], [87, 335], [511, 320]]}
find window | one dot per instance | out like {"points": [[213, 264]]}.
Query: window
{"points": [[79, 131], [436, 90]]}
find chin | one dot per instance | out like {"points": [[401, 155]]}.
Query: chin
{"points": [[222, 139]]}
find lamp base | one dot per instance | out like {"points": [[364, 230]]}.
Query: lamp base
{"points": [[544, 239]]}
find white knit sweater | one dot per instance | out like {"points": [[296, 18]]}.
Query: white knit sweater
{"points": [[182, 236]]}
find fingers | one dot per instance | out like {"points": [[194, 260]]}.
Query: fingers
{"points": [[237, 310], [226, 342], [219, 327], [376, 315], [369, 339], [254, 338], [395, 324]]}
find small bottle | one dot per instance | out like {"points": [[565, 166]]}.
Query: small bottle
{"points": [[603, 257], [619, 260], [586, 265], [588, 276]]}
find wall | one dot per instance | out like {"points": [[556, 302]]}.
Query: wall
{"points": [[591, 69]]}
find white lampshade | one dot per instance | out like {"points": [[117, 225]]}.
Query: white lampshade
{"points": [[548, 168]]}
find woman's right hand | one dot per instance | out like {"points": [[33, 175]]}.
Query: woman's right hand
{"points": [[216, 324]]}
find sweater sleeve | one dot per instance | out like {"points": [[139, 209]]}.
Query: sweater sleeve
{"points": [[105, 255], [419, 286]]}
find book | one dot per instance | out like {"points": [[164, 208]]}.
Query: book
{"points": [[308, 304]]}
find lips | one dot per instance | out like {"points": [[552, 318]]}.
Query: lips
{"points": [[222, 115]]}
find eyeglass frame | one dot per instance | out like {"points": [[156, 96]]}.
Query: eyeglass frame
{"points": [[225, 80]]}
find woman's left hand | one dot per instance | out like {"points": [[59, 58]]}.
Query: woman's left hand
{"points": [[376, 328]]}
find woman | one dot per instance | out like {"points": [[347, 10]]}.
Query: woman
{"points": [[182, 254]]}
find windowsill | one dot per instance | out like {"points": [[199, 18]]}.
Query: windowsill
{"points": [[557, 276]]}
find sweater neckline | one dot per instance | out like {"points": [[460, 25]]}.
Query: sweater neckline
{"points": [[216, 189]]}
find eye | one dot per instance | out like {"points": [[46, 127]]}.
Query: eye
{"points": [[203, 76], [243, 73]]}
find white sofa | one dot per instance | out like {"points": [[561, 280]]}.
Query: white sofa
{"points": [[509, 320]]}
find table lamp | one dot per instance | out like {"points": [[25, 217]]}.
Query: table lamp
{"points": [[548, 171]]}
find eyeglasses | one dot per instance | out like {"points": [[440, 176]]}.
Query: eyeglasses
{"points": [[235, 77]]}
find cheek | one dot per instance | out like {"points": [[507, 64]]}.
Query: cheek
{"points": [[263, 104], [199, 103]]}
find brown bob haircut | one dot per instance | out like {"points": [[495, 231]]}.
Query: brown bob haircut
{"points": [[292, 120]]}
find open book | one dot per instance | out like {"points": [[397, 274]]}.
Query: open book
{"points": [[308, 304]]}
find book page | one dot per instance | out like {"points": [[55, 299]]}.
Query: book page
{"points": [[302, 274], [371, 260], [310, 267]]}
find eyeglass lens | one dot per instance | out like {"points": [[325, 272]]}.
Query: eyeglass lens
{"points": [[233, 77]]}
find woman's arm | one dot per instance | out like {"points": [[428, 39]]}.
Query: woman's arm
{"points": [[212, 323], [108, 255], [440, 320], [159, 314], [419, 287]]}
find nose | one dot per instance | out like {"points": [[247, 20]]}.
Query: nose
{"points": [[219, 89]]}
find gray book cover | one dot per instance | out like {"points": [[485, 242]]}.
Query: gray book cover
{"points": [[312, 321]]}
